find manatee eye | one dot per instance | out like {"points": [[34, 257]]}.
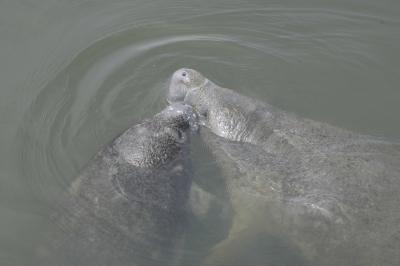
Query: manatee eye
{"points": [[184, 74]]}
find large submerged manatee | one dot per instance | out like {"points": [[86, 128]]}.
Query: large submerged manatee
{"points": [[128, 205], [333, 194]]}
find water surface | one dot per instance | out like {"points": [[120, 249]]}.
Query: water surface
{"points": [[74, 74]]}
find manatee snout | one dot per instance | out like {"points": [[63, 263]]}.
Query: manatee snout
{"points": [[182, 81], [188, 86], [183, 115]]}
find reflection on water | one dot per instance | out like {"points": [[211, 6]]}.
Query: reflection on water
{"points": [[74, 74]]}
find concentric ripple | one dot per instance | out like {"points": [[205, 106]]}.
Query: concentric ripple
{"points": [[321, 63]]}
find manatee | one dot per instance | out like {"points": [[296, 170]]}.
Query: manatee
{"points": [[331, 193], [128, 205]]}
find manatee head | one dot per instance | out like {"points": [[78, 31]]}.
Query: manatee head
{"points": [[227, 113], [182, 81], [180, 116], [159, 140]]}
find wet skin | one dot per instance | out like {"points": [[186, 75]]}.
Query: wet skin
{"points": [[332, 193], [129, 204]]}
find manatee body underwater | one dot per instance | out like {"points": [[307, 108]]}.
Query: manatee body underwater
{"points": [[332, 194], [128, 205]]}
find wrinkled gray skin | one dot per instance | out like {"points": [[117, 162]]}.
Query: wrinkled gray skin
{"points": [[333, 194], [128, 205]]}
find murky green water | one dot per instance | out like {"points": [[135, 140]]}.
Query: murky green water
{"points": [[74, 74]]}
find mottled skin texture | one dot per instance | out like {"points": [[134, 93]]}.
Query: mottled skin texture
{"points": [[332, 193], [128, 205]]}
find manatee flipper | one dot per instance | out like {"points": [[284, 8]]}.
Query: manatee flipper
{"points": [[256, 239], [201, 203], [253, 237], [254, 248], [259, 185]]}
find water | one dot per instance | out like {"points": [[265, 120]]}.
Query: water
{"points": [[74, 74]]}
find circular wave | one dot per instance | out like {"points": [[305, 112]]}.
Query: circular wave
{"points": [[121, 78]]}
